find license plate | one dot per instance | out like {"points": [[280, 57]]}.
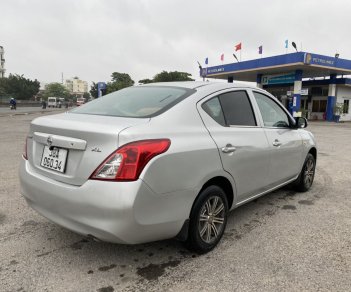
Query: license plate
{"points": [[54, 159]]}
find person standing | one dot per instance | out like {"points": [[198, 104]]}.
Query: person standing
{"points": [[13, 103]]}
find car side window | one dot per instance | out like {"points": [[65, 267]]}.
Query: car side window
{"points": [[272, 114], [237, 108], [213, 108]]}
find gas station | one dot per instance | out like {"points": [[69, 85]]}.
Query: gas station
{"points": [[306, 84]]}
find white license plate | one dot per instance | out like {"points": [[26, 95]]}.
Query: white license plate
{"points": [[54, 159]]}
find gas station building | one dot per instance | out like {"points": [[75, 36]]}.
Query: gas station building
{"points": [[307, 84]]}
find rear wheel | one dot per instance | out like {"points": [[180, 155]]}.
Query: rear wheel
{"points": [[305, 179], [208, 219]]}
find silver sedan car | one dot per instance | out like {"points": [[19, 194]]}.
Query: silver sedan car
{"points": [[163, 160]]}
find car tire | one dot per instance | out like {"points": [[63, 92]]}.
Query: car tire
{"points": [[306, 176], [208, 219]]}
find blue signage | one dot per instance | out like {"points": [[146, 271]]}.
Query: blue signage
{"points": [[278, 79], [215, 70], [100, 86], [312, 59]]}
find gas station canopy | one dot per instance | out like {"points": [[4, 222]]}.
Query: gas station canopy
{"points": [[311, 65]]}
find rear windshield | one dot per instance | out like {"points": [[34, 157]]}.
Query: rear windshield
{"points": [[135, 102]]}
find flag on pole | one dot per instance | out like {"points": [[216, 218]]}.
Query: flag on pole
{"points": [[260, 50], [286, 44], [222, 57], [206, 61], [238, 47]]}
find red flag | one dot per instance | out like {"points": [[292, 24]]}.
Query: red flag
{"points": [[222, 57], [238, 47]]}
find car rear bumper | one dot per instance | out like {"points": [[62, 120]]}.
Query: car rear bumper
{"points": [[121, 212]]}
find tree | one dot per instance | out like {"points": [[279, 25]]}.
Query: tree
{"points": [[165, 76], [86, 95], [145, 81], [57, 90], [19, 87], [119, 81], [94, 90]]}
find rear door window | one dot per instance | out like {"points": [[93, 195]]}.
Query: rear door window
{"points": [[237, 109], [214, 110]]}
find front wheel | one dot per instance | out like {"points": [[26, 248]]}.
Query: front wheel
{"points": [[305, 179], [208, 219]]}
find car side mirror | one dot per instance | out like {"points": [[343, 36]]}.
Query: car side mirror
{"points": [[301, 122]]}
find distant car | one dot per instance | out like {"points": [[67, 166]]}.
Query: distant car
{"points": [[80, 101], [52, 102], [164, 160]]}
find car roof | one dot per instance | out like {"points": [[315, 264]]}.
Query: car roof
{"points": [[198, 84]]}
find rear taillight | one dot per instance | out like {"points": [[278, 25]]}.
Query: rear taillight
{"points": [[127, 162], [24, 154]]}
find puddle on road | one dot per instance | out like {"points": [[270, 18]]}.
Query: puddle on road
{"points": [[30, 223], [106, 289], [153, 271], [106, 268], [289, 207], [2, 218], [306, 202]]}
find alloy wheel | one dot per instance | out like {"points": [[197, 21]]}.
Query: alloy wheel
{"points": [[211, 219], [309, 173]]}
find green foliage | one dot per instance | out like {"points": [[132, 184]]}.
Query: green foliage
{"points": [[146, 81], [165, 76], [119, 81], [19, 87], [171, 76], [57, 90], [340, 109], [93, 90], [86, 95]]}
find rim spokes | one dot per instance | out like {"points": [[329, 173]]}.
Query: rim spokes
{"points": [[208, 237], [203, 230], [218, 220], [214, 204], [215, 230], [218, 210], [211, 219], [309, 172]]}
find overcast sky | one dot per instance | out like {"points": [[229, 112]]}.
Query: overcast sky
{"points": [[93, 38]]}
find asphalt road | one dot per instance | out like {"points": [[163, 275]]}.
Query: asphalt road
{"points": [[284, 241]]}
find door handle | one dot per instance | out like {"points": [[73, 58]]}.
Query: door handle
{"points": [[229, 148], [277, 143]]}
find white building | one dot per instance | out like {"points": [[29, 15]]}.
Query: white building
{"points": [[76, 86], [2, 62]]}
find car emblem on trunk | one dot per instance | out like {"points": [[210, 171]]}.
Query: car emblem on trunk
{"points": [[96, 149], [49, 141]]}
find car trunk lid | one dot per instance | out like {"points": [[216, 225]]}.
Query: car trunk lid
{"points": [[83, 142]]}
